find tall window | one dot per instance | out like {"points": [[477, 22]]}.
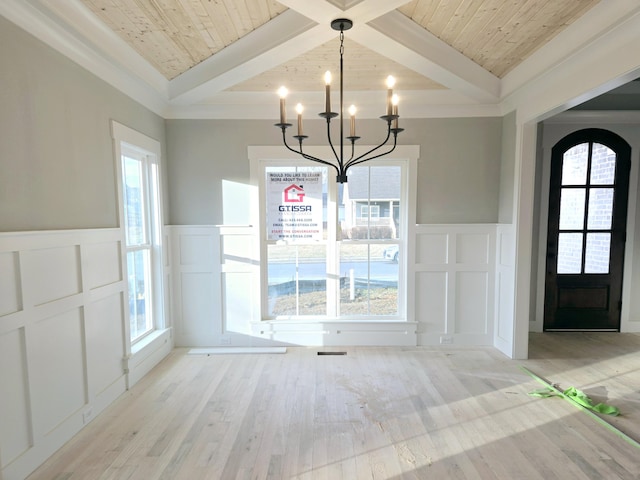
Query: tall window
{"points": [[334, 251], [142, 223]]}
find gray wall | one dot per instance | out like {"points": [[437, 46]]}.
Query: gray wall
{"points": [[458, 169], [56, 153], [507, 169]]}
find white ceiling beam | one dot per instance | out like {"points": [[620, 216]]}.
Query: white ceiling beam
{"points": [[95, 32], [596, 22], [321, 12], [369, 10], [39, 21], [283, 38], [402, 40], [264, 106]]}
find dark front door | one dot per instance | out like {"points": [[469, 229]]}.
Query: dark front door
{"points": [[587, 230]]}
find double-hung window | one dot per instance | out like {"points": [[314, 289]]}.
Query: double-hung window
{"points": [[331, 250], [141, 219]]}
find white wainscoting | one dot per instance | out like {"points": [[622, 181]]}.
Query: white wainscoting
{"points": [[454, 275], [216, 285], [505, 289], [63, 341], [217, 292], [217, 298]]}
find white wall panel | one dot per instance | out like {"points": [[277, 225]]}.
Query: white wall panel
{"points": [[105, 349], [237, 249], [195, 285], [505, 289], [217, 303], [455, 284], [432, 248], [62, 339], [52, 273], [472, 301], [238, 301], [431, 303], [196, 249], [10, 294], [56, 347], [15, 421], [472, 248], [200, 310], [504, 325], [103, 265]]}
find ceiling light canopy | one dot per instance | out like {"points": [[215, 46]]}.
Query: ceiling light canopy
{"points": [[340, 163]]}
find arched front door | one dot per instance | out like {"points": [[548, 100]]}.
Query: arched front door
{"points": [[587, 231]]}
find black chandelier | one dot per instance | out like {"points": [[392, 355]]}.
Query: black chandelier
{"points": [[340, 164]]}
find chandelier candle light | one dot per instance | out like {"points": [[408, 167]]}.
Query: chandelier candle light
{"points": [[341, 164]]}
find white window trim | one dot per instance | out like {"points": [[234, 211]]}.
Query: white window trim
{"points": [[134, 140], [261, 156]]}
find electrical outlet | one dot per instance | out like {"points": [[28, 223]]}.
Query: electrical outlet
{"points": [[225, 340], [445, 340]]}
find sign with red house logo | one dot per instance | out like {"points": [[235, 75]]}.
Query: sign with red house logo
{"points": [[294, 205]]}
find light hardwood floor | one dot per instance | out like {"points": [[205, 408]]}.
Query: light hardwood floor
{"points": [[376, 413]]}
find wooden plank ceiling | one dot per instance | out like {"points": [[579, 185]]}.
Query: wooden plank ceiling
{"points": [[496, 34], [175, 36]]}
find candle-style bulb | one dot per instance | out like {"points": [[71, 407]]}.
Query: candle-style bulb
{"points": [[394, 100], [282, 91], [391, 81], [327, 92], [299, 110], [352, 129]]}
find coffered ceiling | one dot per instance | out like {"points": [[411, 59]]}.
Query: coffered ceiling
{"points": [[227, 58]]}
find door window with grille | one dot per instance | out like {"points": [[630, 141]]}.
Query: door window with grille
{"points": [[586, 232]]}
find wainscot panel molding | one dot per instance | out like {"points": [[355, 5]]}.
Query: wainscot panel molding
{"points": [[64, 350], [217, 292], [505, 288], [216, 285], [454, 274]]}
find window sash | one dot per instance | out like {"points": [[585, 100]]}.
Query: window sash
{"points": [[140, 208], [336, 257]]}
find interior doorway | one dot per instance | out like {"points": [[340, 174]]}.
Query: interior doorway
{"points": [[588, 198]]}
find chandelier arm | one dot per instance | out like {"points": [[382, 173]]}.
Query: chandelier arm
{"points": [[330, 142], [360, 159], [353, 152], [306, 155], [318, 160], [339, 163]]}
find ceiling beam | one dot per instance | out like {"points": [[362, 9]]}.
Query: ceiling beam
{"points": [[401, 39], [281, 39]]}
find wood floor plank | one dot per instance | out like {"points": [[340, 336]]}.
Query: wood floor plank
{"points": [[375, 413]]}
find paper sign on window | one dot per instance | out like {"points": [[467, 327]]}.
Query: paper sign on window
{"points": [[294, 205]]}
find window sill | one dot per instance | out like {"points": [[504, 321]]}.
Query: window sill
{"points": [[149, 340]]}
